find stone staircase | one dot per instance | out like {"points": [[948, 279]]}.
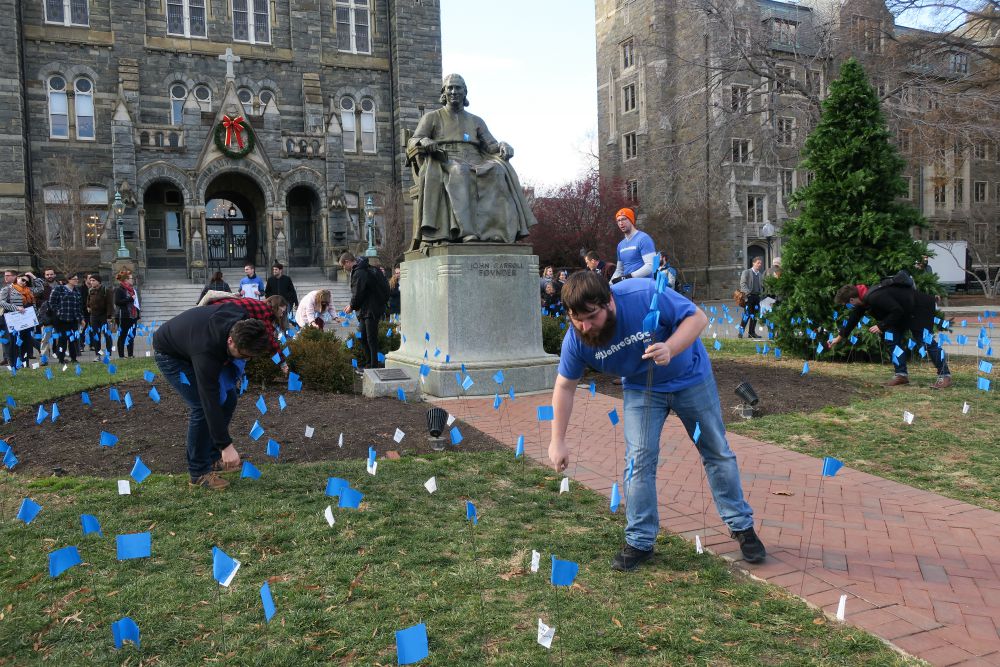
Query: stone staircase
{"points": [[167, 292]]}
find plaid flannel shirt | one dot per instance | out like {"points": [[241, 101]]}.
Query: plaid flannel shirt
{"points": [[66, 304], [259, 310]]}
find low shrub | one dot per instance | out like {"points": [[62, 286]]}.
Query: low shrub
{"points": [[322, 361]]}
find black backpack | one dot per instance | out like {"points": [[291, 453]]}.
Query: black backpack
{"points": [[380, 284]]}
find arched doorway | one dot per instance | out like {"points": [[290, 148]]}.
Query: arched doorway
{"points": [[163, 206], [753, 252], [234, 221], [305, 234]]}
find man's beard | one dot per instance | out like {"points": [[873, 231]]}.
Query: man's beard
{"points": [[600, 337]]}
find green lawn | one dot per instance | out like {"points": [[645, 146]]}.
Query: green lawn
{"points": [[406, 557], [32, 386], [944, 450]]}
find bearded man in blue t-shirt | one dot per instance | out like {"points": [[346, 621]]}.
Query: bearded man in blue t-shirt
{"points": [[664, 369]]}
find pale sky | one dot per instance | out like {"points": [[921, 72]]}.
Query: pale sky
{"points": [[532, 76], [531, 70]]}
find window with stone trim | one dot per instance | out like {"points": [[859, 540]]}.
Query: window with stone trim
{"points": [[245, 96], [787, 180], [348, 124], [784, 32], [252, 21], [782, 75], [981, 230], [739, 99], [979, 192], [786, 130], [83, 108], [57, 207], [814, 81], [354, 26], [631, 145], [203, 95], [94, 211], [755, 209], [940, 195], [186, 18], [628, 53], [58, 108], [67, 12], [958, 63], [979, 150], [178, 96], [367, 125], [628, 98], [867, 34], [265, 97], [741, 150]]}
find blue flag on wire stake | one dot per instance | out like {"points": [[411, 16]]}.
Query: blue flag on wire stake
{"points": [[224, 567], [61, 560], [154, 395], [411, 644], [613, 416], [983, 384], [89, 524], [697, 433], [470, 513], [616, 497], [545, 413], [350, 498], [267, 601], [456, 435], [273, 449], [29, 510], [519, 452], [139, 471], [148, 376], [123, 630], [249, 471], [498, 377], [134, 545], [261, 405], [334, 485], [256, 431], [563, 572], [281, 402], [108, 439], [831, 466], [42, 415]]}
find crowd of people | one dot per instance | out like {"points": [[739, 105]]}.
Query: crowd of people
{"points": [[70, 315]]}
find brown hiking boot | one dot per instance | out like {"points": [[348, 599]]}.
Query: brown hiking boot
{"points": [[942, 382], [210, 481], [897, 380]]}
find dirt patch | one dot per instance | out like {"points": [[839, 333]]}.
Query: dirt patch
{"points": [[157, 431], [780, 390]]}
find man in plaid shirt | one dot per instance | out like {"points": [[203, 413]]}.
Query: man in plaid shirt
{"points": [[66, 306]]}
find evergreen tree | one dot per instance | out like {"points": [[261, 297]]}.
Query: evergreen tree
{"points": [[852, 227]]}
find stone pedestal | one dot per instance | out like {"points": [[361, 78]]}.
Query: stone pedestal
{"points": [[479, 302]]}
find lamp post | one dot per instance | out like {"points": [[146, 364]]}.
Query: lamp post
{"points": [[768, 231], [370, 226], [119, 207]]}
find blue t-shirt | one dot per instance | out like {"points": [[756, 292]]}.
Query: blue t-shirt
{"points": [[630, 251], [623, 355]]}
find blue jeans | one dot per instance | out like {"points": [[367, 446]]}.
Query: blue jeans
{"points": [[934, 351], [645, 413], [201, 450]]}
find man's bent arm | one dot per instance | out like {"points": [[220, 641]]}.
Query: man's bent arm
{"points": [[562, 407], [687, 332]]}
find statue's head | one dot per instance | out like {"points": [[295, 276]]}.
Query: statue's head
{"points": [[454, 80]]}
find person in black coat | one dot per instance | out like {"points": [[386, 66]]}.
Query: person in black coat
{"points": [[216, 284], [898, 309], [281, 285], [366, 301]]}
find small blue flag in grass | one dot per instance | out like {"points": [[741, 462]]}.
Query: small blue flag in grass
{"points": [[334, 485], [9, 460], [61, 560], [544, 413], [717, 344], [249, 471], [276, 358], [154, 395], [42, 414], [139, 471], [889, 337], [805, 368], [261, 405], [224, 567], [90, 524], [983, 384], [7, 416], [350, 498], [456, 435], [400, 394], [616, 497], [471, 514], [985, 366], [11, 402], [48, 373], [28, 511], [295, 382], [112, 369], [123, 630], [55, 412], [108, 439], [282, 403], [411, 644], [613, 416], [563, 572], [78, 370], [267, 601], [519, 452], [148, 376], [350, 343], [128, 400], [831, 466], [134, 545]]}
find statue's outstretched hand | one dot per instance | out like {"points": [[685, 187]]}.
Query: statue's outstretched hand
{"points": [[506, 151]]}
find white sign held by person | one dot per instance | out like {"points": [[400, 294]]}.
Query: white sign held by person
{"points": [[21, 321]]}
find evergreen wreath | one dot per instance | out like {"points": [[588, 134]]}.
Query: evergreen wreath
{"points": [[249, 139]]}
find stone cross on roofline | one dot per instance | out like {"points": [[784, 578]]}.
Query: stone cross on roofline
{"points": [[230, 59]]}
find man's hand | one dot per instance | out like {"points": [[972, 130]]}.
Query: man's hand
{"points": [[874, 329], [660, 353], [348, 310], [230, 459], [558, 455], [833, 342]]}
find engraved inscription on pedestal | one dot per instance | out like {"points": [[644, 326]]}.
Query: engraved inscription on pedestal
{"points": [[390, 374]]}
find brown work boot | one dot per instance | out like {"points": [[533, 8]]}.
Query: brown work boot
{"points": [[210, 481], [943, 382], [897, 380]]}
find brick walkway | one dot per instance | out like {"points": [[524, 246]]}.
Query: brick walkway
{"points": [[918, 569]]}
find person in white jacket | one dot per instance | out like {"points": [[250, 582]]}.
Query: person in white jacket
{"points": [[316, 309]]}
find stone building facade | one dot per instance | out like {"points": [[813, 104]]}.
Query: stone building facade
{"points": [[106, 96], [703, 108]]}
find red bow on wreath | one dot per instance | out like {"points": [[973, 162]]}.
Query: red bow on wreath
{"points": [[233, 126]]}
